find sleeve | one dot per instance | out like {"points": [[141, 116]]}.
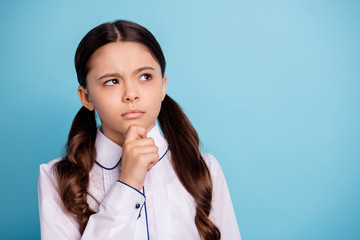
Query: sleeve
{"points": [[116, 217], [222, 210]]}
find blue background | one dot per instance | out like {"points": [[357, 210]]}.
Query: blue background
{"points": [[271, 86]]}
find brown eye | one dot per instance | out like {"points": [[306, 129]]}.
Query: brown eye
{"points": [[111, 82], [145, 77]]}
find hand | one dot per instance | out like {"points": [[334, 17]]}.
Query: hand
{"points": [[139, 155]]}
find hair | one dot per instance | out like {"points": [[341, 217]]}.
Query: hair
{"points": [[73, 169]]}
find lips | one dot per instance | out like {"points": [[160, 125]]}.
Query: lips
{"points": [[132, 114]]}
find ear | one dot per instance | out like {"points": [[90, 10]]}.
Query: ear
{"points": [[164, 87], [85, 98]]}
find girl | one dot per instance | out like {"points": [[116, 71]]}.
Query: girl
{"points": [[125, 179]]}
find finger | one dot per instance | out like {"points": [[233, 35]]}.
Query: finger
{"points": [[149, 158], [145, 149], [134, 132], [148, 141], [151, 165]]}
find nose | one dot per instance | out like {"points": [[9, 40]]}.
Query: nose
{"points": [[131, 94]]}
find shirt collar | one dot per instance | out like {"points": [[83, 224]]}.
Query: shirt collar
{"points": [[109, 153]]}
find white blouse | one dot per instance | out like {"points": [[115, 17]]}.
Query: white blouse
{"points": [[163, 210]]}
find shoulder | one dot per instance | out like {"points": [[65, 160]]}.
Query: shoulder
{"points": [[209, 159], [222, 211], [47, 184], [213, 165], [47, 171], [48, 167]]}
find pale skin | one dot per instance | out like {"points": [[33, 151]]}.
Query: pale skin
{"points": [[125, 86]]}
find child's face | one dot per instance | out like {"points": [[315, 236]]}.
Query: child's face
{"points": [[124, 76]]}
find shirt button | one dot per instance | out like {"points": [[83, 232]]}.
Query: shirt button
{"points": [[137, 206]]}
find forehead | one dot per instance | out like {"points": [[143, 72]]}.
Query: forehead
{"points": [[121, 56]]}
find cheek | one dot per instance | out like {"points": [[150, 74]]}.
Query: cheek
{"points": [[105, 103], [154, 97], [156, 101], [107, 98], [157, 92]]}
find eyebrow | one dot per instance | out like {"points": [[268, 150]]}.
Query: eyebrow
{"points": [[117, 75]]}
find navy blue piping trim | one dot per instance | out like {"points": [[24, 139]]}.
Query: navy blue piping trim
{"points": [[106, 167], [147, 225], [141, 210], [131, 187], [163, 155], [120, 161]]}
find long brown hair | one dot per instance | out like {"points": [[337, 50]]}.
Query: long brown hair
{"points": [[73, 170]]}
